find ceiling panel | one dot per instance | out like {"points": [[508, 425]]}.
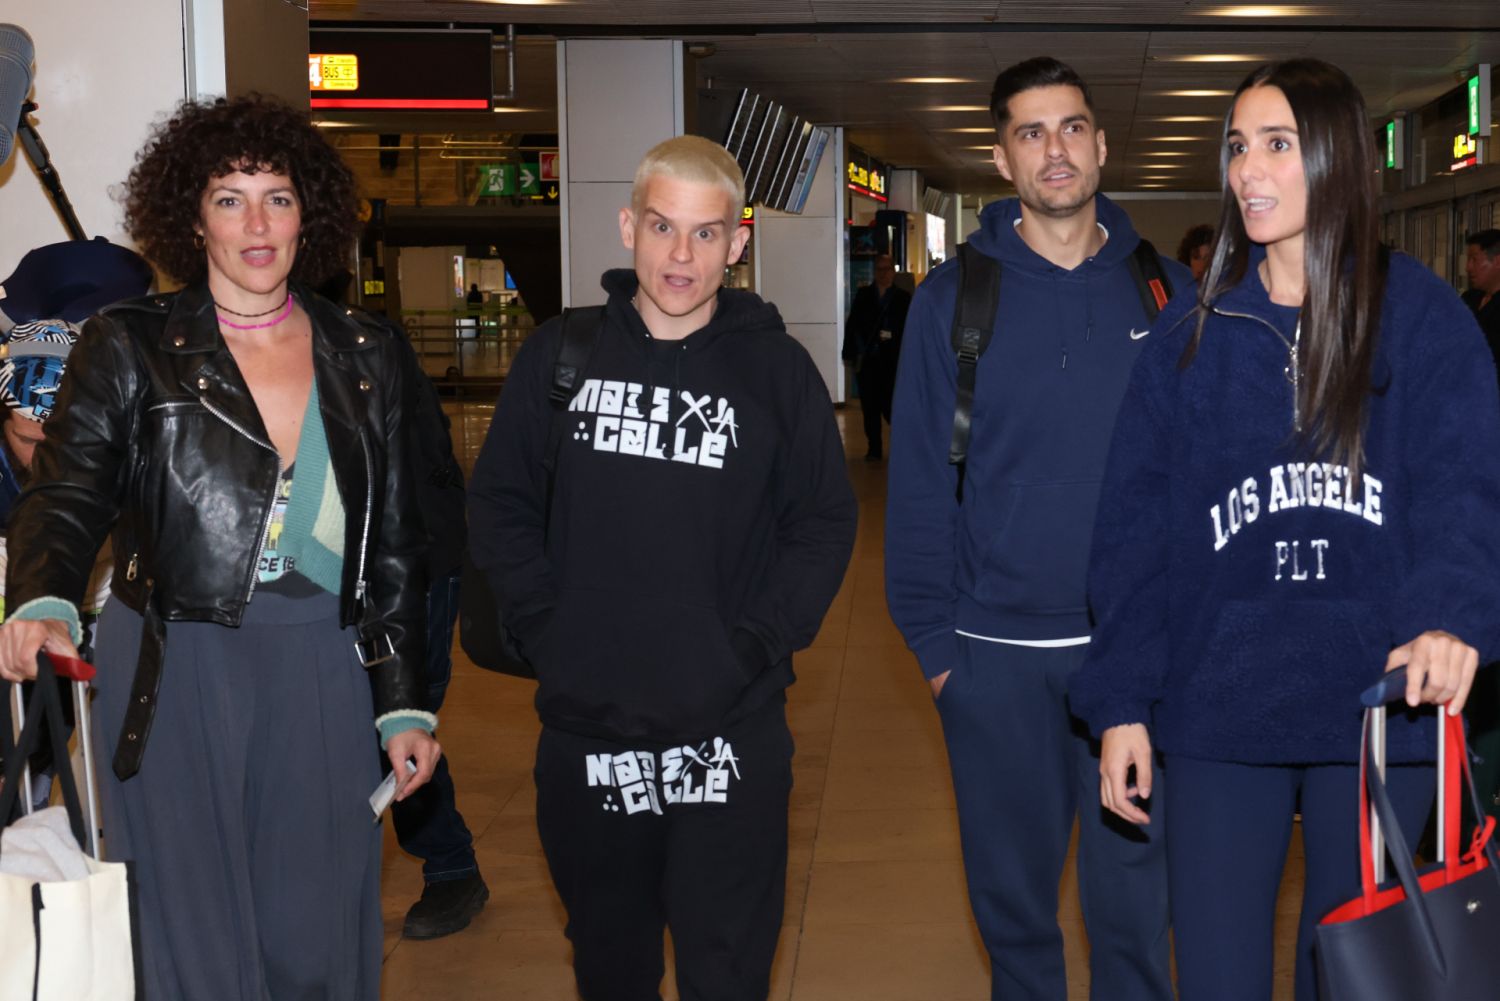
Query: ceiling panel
{"points": [[840, 69]]}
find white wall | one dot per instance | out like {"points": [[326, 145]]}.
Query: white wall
{"points": [[1163, 219], [101, 81], [800, 260], [427, 278], [616, 99]]}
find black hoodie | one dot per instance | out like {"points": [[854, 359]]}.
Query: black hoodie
{"points": [[701, 520]]}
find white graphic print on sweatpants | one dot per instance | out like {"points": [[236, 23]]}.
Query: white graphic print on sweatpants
{"points": [[683, 774]]}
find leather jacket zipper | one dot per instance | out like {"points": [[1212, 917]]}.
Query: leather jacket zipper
{"points": [[364, 536], [265, 532]]}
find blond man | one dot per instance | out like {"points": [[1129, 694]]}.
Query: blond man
{"points": [[661, 534]]}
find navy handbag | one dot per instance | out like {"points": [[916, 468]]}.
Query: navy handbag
{"points": [[1435, 934]]}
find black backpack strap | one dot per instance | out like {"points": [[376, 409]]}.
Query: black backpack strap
{"points": [[973, 326], [1150, 279], [580, 329], [580, 332]]}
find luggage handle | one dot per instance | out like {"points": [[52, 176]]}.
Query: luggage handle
{"points": [[18, 750], [1377, 819]]}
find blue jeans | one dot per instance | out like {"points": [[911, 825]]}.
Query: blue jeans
{"points": [[428, 825]]}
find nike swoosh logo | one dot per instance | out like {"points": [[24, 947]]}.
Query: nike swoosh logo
{"points": [[1136, 335]]}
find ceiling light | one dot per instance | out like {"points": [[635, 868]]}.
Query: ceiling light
{"points": [[960, 107], [1165, 152], [934, 79], [1196, 93], [1179, 139], [990, 148], [976, 129], [1164, 166], [1264, 10], [513, 111], [1182, 118], [1224, 57]]}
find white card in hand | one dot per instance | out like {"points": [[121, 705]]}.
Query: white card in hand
{"points": [[385, 793]]}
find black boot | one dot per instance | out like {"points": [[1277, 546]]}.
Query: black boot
{"points": [[446, 907]]}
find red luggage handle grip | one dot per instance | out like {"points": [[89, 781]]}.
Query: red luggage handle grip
{"points": [[72, 668]]}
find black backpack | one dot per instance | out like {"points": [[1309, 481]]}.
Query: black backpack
{"points": [[481, 618], [974, 325]]}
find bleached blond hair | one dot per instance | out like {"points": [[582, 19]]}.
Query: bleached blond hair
{"points": [[690, 158]]}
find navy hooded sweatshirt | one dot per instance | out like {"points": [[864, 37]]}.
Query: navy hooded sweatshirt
{"points": [[1247, 592], [700, 525], [1010, 562]]}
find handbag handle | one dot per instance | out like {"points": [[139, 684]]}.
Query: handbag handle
{"points": [[17, 752]]}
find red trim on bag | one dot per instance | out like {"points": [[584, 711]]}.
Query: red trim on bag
{"points": [[1361, 906], [1158, 290], [1455, 867]]}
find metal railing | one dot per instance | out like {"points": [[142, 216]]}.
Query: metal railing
{"points": [[467, 348]]}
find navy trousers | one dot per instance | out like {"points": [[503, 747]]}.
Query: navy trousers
{"points": [[1023, 769], [428, 824], [1228, 829]]}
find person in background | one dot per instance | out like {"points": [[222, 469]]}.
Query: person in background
{"points": [[244, 440], [872, 344], [1194, 250], [1303, 491], [1482, 267]]}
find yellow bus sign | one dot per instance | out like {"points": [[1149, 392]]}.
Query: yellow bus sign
{"points": [[337, 72]]}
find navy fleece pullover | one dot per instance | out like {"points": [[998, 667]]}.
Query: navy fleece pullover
{"points": [[1010, 562], [1247, 593]]}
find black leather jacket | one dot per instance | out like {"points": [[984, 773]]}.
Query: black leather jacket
{"points": [[156, 435]]}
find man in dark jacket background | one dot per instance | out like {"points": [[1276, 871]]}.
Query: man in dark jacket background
{"points": [[872, 344], [690, 534]]}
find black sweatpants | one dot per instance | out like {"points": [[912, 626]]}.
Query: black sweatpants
{"points": [[690, 838]]}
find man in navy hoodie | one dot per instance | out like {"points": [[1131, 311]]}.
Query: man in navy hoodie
{"points": [[989, 591], [699, 524]]}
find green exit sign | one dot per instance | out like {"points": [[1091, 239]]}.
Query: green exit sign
{"points": [[1390, 145], [1479, 101]]}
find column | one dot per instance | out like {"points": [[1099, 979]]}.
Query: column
{"points": [[616, 98], [799, 260]]}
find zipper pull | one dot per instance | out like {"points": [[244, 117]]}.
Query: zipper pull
{"points": [[132, 567]]}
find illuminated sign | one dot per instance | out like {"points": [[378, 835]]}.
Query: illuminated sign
{"points": [[339, 72], [747, 216], [1395, 144], [1479, 101], [1465, 152], [400, 69], [866, 175], [374, 286]]}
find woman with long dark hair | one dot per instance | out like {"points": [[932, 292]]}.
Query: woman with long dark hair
{"points": [[1303, 491], [243, 442]]}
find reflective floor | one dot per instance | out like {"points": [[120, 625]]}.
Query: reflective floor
{"points": [[876, 909]]}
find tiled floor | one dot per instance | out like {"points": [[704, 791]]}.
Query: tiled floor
{"points": [[876, 909]]}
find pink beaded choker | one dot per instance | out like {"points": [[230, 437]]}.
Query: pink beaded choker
{"points": [[286, 311]]}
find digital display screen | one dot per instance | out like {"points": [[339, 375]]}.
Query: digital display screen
{"points": [[396, 70]]}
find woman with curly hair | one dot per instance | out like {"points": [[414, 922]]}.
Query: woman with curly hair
{"points": [[241, 439]]}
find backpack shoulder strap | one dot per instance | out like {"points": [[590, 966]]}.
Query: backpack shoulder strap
{"points": [[1150, 278], [580, 330], [973, 326]]}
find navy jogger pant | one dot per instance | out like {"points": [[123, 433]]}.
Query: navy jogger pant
{"points": [[1023, 768]]}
